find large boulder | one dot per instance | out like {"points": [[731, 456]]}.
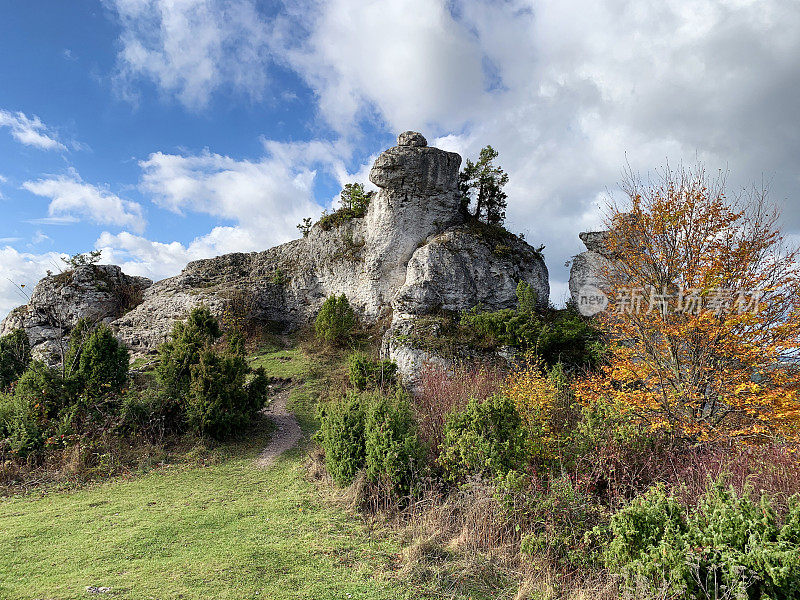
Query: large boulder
{"points": [[98, 293], [411, 255]]}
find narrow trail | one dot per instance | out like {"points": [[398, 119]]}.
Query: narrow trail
{"points": [[287, 433]]}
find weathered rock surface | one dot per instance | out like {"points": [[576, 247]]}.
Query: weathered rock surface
{"points": [[410, 255], [587, 268], [94, 292]]}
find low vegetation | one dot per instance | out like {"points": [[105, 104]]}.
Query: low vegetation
{"points": [[336, 321], [646, 455], [74, 421], [353, 203]]}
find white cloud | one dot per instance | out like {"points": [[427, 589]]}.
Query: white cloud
{"points": [[71, 197], [190, 48], [269, 196], [65, 220], [40, 237], [410, 59], [266, 199], [570, 91], [140, 256], [20, 272], [30, 131]]}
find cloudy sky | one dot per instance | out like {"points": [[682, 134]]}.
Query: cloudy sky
{"points": [[162, 131]]}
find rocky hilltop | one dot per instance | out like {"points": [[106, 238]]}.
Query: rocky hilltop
{"points": [[411, 255], [99, 293]]}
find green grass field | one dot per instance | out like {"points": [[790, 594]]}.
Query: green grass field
{"points": [[227, 530]]}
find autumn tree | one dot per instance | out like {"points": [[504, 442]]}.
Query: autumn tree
{"points": [[704, 318], [481, 185]]}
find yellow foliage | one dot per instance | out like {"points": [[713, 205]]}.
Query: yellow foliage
{"points": [[708, 372], [536, 397]]}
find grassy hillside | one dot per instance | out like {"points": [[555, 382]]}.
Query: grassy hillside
{"points": [[223, 530]]}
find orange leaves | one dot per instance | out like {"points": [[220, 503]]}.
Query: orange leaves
{"points": [[720, 369]]}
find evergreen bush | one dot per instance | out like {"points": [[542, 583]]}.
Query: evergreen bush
{"points": [[486, 438], [342, 436], [366, 372], [727, 546], [103, 363], [15, 356], [183, 349], [393, 451], [336, 321], [218, 403]]}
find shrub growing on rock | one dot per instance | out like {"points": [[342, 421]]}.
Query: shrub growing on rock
{"points": [[15, 356], [354, 203], [366, 372], [336, 320], [557, 336]]}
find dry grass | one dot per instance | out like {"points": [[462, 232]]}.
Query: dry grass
{"points": [[443, 391], [772, 469]]}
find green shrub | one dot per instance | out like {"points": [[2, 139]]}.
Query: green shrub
{"points": [[726, 546], [526, 298], [342, 436], [336, 320], [561, 516], [43, 386], [209, 387], [486, 438], [149, 412], [615, 453], [77, 339], [557, 336], [183, 350], [257, 388], [354, 204], [21, 429], [218, 403], [6, 410], [393, 451], [15, 356], [103, 363], [366, 372]]}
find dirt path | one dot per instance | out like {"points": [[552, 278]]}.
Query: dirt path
{"points": [[287, 433]]}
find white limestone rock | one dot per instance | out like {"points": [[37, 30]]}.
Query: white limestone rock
{"points": [[98, 293], [410, 255]]}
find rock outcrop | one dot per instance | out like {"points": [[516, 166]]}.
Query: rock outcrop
{"points": [[99, 293], [410, 255], [587, 267]]}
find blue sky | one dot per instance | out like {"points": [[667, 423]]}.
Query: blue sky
{"points": [[162, 131]]}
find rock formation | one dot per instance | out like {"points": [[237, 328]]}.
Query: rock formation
{"points": [[99, 293], [410, 255], [587, 267]]}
